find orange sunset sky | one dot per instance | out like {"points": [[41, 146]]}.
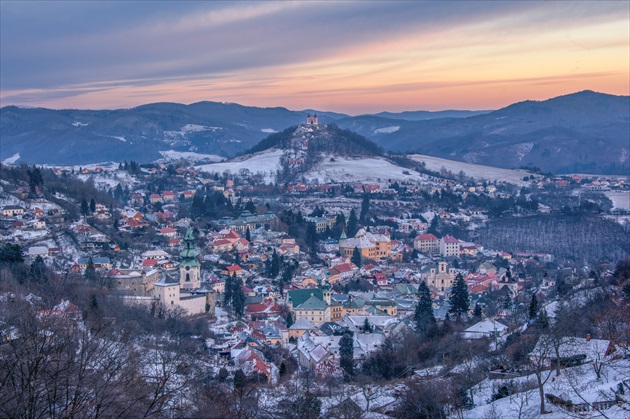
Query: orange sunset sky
{"points": [[351, 57]]}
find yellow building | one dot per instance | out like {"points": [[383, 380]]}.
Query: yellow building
{"points": [[371, 246]]}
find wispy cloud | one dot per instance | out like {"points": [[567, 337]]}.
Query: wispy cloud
{"points": [[103, 54]]}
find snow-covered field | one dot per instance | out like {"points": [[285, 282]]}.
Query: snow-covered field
{"points": [[476, 171], [266, 162], [620, 199], [190, 156], [344, 169]]}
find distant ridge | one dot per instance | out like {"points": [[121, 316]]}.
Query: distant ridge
{"points": [[581, 132], [584, 132]]}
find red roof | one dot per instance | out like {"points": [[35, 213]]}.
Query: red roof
{"points": [[233, 268], [450, 239], [167, 230], [150, 262], [425, 237], [232, 235]]}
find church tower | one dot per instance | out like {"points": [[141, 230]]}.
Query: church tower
{"points": [[189, 270]]}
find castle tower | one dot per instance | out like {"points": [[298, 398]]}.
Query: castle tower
{"points": [[314, 120], [309, 119], [189, 270]]}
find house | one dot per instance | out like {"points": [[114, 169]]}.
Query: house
{"points": [[485, 329], [168, 232], [35, 251], [155, 254], [380, 279], [263, 310], [313, 309], [168, 196], [426, 243], [300, 327], [449, 246], [155, 198], [252, 361], [232, 270], [99, 262], [372, 246], [12, 210]]}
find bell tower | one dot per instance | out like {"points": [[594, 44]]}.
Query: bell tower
{"points": [[189, 269]]}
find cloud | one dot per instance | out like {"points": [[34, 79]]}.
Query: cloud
{"points": [[127, 48]]}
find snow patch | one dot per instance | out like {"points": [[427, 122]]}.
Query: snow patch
{"points": [[119, 138], [620, 199], [523, 149], [267, 163], [387, 130], [190, 156], [268, 130], [342, 169], [476, 171], [12, 159], [189, 128], [80, 124]]}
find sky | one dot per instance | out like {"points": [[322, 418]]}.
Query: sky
{"points": [[351, 57]]}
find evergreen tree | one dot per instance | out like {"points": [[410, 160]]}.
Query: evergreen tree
{"points": [[346, 355], [239, 379], [11, 253], [460, 297], [365, 208], [248, 235], [367, 327], [275, 265], [477, 313], [38, 272], [353, 224], [92, 206], [533, 308], [423, 316], [290, 319], [250, 207], [542, 319], [84, 207], [238, 298], [197, 207], [118, 193], [208, 206], [311, 236], [433, 226], [228, 292], [90, 271], [356, 257]]}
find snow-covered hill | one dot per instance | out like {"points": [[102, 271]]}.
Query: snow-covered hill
{"points": [[346, 169], [476, 171], [266, 162]]}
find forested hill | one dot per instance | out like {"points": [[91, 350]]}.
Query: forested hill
{"points": [[320, 139]]}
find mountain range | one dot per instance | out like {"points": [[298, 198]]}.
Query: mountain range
{"points": [[585, 132]]}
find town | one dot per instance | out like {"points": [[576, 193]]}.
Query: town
{"points": [[386, 291]]}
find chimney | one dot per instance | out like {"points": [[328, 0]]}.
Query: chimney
{"points": [[588, 337]]}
